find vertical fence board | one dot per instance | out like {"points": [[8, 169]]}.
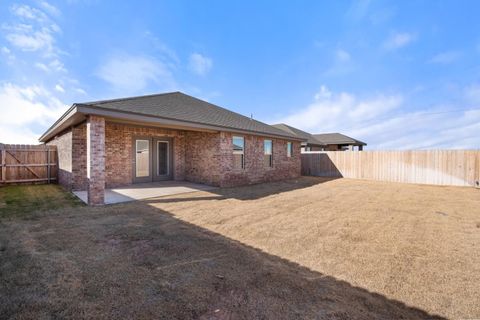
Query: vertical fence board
{"points": [[28, 163], [438, 167]]}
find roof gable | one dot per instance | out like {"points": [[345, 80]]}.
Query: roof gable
{"points": [[169, 109], [180, 106]]}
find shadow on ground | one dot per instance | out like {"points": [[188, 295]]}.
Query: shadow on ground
{"points": [[137, 261], [250, 192]]}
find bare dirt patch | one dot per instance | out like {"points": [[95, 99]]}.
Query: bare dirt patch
{"points": [[307, 248]]}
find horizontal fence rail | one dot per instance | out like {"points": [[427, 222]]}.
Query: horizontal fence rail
{"points": [[28, 163], [438, 167]]}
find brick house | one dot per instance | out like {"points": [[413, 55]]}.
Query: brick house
{"points": [[170, 136], [323, 141]]}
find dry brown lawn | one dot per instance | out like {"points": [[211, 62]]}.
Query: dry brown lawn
{"points": [[308, 249]]}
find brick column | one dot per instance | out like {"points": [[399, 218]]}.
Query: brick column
{"points": [[96, 160]]}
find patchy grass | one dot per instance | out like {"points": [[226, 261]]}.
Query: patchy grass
{"points": [[29, 200], [301, 249]]}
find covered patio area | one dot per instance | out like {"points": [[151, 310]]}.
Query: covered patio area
{"points": [[141, 191]]}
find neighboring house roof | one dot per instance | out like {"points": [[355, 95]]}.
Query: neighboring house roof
{"points": [[308, 138], [337, 138], [174, 108], [319, 139]]}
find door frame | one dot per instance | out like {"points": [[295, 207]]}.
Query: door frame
{"points": [[153, 159], [169, 175], [134, 160]]}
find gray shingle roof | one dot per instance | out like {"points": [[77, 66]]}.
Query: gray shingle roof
{"points": [[309, 138], [322, 139], [337, 138], [180, 106]]}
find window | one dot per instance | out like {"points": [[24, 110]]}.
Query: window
{"points": [[142, 158], [267, 147], [289, 149], [238, 152]]}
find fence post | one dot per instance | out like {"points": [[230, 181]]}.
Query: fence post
{"points": [[4, 167], [48, 165]]}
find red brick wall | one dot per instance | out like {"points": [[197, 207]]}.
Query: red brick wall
{"points": [[79, 154], [119, 151], [64, 149], [255, 170], [198, 157], [72, 157], [202, 151], [209, 159], [95, 160]]}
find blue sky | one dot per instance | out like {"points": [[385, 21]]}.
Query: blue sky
{"points": [[398, 75]]}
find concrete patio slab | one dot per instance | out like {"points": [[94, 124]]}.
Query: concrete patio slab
{"points": [[141, 191]]}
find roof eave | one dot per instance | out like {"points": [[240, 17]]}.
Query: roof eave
{"points": [[60, 124]]}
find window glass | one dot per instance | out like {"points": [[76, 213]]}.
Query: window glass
{"points": [[162, 161], [267, 147], [238, 152], [289, 149], [142, 158]]}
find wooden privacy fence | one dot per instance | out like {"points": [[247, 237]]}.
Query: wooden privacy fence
{"points": [[440, 167], [28, 163]]}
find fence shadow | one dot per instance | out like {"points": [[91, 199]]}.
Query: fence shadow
{"points": [[320, 165]]}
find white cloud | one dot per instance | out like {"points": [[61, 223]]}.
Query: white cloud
{"points": [[382, 15], [42, 66], [27, 12], [382, 121], [26, 38], [342, 55], [472, 93], [168, 53], [34, 103], [358, 10], [340, 108], [9, 56], [18, 135], [53, 66], [430, 129], [445, 57], [5, 50], [200, 64], [399, 40], [24, 108], [342, 64], [57, 65], [32, 31], [50, 8], [59, 88], [28, 109], [80, 91], [134, 74]]}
